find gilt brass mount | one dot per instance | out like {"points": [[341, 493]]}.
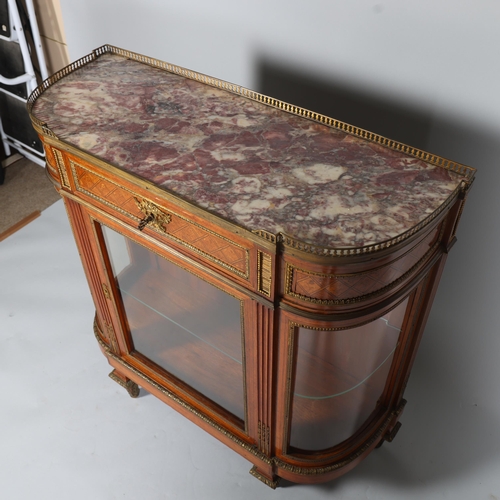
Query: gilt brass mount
{"points": [[152, 215]]}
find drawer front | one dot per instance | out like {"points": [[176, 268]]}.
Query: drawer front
{"points": [[166, 222], [160, 217]]}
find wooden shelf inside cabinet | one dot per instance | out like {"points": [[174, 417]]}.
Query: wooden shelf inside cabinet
{"points": [[264, 269]]}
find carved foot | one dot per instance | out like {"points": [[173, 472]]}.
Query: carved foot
{"points": [[131, 387], [389, 436], [271, 482]]}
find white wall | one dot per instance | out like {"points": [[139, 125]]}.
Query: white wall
{"points": [[438, 56]]}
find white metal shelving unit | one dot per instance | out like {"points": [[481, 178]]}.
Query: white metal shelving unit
{"points": [[14, 33]]}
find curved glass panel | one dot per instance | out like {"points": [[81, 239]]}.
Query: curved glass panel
{"points": [[185, 325], [339, 377]]}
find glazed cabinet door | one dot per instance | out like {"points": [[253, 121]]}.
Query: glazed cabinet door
{"points": [[337, 377], [341, 381], [170, 324], [178, 323], [340, 384]]}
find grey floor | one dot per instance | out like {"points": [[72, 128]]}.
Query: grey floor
{"points": [[68, 432]]}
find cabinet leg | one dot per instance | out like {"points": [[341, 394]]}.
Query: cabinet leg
{"points": [[131, 387], [389, 437], [271, 481]]}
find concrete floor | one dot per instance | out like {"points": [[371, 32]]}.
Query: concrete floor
{"points": [[67, 431]]}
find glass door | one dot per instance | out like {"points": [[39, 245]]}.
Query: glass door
{"points": [[339, 377], [183, 324]]}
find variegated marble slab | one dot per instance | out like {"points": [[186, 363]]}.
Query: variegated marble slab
{"points": [[257, 166]]}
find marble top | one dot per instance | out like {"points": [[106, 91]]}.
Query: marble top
{"points": [[255, 165]]}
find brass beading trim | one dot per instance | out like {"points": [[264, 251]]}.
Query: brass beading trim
{"points": [[62, 168], [315, 470], [380, 291], [351, 300], [264, 273], [38, 124], [291, 242], [266, 235]]}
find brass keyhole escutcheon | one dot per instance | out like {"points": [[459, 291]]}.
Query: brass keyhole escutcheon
{"points": [[153, 216], [144, 222]]}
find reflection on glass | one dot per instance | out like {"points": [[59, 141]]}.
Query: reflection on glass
{"points": [[340, 375], [185, 325]]}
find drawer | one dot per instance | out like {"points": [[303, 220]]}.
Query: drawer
{"points": [[168, 220]]}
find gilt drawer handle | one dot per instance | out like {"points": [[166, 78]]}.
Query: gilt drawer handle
{"points": [[152, 215]]}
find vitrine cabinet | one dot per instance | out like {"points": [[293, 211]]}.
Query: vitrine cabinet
{"points": [[265, 270]]}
